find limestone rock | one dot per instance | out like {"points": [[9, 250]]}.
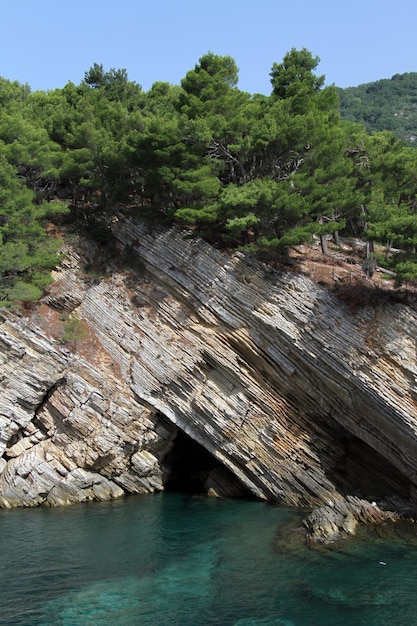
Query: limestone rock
{"points": [[340, 519], [300, 400]]}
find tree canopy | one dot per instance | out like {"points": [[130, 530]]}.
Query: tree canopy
{"points": [[261, 173]]}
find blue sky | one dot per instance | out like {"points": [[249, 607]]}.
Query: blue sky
{"points": [[47, 43]]}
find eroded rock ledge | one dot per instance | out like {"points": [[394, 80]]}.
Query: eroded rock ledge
{"points": [[296, 399], [341, 518]]}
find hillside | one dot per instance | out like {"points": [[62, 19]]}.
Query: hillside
{"points": [[387, 104]]}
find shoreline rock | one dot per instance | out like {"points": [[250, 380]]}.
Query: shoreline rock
{"points": [[297, 399], [341, 519]]}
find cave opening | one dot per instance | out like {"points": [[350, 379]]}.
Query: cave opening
{"points": [[372, 475], [357, 468], [190, 468]]}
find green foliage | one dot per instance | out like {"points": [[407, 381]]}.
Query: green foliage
{"points": [[207, 87], [24, 292], [294, 78], [406, 270], [238, 225], [203, 216], [75, 332], [262, 173], [27, 254], [388, 104]]}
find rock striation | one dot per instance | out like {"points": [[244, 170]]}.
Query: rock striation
{"points": [[294, 398]]}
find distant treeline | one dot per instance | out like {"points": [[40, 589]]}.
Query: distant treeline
{"points": [[259, 173], [388, 104]]}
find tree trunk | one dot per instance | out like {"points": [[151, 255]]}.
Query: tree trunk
{"points": [[387, 250], [323, 244], [323, 240]]}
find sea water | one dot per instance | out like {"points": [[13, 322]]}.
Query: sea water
{"points": [[174, 559]]}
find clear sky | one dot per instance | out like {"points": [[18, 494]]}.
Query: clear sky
{"points": [[47, 43]]}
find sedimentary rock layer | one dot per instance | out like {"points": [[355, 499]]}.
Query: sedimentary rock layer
{"points": [[298, 399]]}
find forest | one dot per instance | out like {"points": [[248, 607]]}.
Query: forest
{"points": [[387, 104], [244, 171]]}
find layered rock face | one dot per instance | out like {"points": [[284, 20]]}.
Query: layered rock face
{"points": [[280, 390]]}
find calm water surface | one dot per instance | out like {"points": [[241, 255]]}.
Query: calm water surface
{"points": [[171, 559]]}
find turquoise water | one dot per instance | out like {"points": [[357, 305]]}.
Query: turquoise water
{"points": [[172, 559]]}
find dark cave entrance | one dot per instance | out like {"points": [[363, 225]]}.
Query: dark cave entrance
{"points": [[190, 468], [357, 468], [371, 475]]}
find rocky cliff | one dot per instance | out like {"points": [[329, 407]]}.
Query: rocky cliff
{"points": [[194, 365]]}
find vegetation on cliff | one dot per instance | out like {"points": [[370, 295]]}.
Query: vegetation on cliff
{"points": [[261, 173]]}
